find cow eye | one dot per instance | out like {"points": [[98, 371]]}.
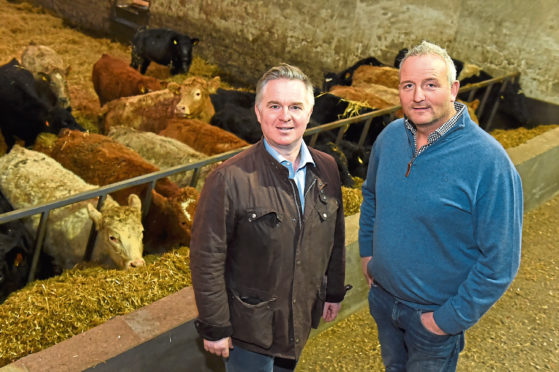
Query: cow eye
{"points": [[113, 238]]}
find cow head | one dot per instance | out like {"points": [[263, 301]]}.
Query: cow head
{"points": [[183, 53], [195, 101], [61, 118], [120, 231]]}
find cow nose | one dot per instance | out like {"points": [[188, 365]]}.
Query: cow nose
{"points": [[136, 263], [182, 110]]}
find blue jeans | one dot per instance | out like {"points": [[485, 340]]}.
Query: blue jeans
{"points": [[405, 344], [242, 360]]}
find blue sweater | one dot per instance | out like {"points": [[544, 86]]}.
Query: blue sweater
{"points": [[447, 237]]}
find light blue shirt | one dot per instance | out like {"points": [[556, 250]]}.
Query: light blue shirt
{"points": [[300, 173]]}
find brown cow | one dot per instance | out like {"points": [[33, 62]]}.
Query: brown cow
{"points": [[150, 111], [113, 78], [202, 136], [163, 152], [372, 95], [102, 161], [380, 75]]}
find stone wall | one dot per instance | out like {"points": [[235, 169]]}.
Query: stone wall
{"points": [[87, 14], [246, 37]]}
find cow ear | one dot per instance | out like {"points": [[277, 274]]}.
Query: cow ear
{"points": [[173, 87], [194, 41], [135, 202], [213, 84], [96, 216]]}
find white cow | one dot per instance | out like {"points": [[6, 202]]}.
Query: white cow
{"points": [[40, 59], [29, 178], [164, 152]]}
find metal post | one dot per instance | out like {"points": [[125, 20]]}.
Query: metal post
{"points": [[313, 140], [41, 233], [195, 177], [496, 106], [146, 203], [364, 132], [93, 233], [484, 101]]}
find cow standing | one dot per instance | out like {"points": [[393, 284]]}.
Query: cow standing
{"points": [[113, 78], [163, 46]]}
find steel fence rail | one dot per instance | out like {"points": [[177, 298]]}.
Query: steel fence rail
{"points": [[101, 192]]}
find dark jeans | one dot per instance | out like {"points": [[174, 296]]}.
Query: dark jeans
{"points": [[241, 360], [406, 345]]}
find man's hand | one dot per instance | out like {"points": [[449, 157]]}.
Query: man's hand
{"points": [[429, 323], [331, 310], [364, 262], [219, 347]]}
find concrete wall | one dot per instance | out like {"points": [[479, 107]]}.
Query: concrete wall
{"points": [[537, 161], [87, 14], [245, 38]]}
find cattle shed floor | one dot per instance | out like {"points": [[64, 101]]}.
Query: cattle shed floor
{"points": [[521, 333]]}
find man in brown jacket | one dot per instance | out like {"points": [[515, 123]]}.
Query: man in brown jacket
{"points": [[267, 247]]}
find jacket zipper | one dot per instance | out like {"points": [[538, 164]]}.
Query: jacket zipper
{"points": [[409, 166], [297, 202]]}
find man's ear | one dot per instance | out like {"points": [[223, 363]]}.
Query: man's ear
{"points": [[257, 111], [454, 90]]}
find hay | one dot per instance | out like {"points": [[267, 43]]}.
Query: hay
{"points": [[79, 51], [513, 137], [49, 311], [352, 199]]}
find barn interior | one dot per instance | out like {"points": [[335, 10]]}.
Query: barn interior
{"points": [[239, 41]]}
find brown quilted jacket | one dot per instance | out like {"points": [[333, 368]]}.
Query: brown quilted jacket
{"points": [[261, 271]]}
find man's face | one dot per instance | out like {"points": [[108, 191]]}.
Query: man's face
{"points": [[284, 113], [425, 94]]}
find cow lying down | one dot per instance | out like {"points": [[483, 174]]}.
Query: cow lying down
{"points": [[29, 178]]}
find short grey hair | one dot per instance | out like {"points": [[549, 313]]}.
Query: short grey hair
{"points": [[427, 48], [284, 71]]}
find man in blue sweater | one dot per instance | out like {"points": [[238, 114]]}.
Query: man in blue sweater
{"points": [[441, 220]]}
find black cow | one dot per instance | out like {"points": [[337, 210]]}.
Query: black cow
{"points": [[234, 112], [163, 46], [346, 76], [26, 106], [15, 253]]}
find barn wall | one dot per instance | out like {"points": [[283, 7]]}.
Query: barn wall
{"points": [[502, 36], [246, 37], [90, 15]]}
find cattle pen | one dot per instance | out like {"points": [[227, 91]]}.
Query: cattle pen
{"points": [[365, 120]]}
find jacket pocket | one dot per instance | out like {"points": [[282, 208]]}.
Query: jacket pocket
{"points": [[252, 320]]}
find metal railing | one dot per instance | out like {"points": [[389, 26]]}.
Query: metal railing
{"points": [[151, 178]]}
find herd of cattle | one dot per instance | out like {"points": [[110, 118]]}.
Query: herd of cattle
{"points": [[145, 125]]}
